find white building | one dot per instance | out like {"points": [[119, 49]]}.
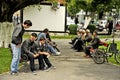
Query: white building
{"points": [[43, 16]]}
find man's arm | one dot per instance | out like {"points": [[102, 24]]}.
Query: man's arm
{"points": [[26, 47], [15, 35]]}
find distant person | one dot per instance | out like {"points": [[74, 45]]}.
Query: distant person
{"points": [[88, 37], [76, 19], [16, 44], [93, 44], [110, 27], [46, 36]]}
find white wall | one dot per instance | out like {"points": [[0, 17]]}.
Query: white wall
{"points": [[45, 17]]}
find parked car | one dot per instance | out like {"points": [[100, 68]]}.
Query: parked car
{"points": [[101, 25]]}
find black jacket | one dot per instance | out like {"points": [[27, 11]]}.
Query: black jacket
{"points": [[38, 47], [95, 42], [28, 47], [17, 34]]}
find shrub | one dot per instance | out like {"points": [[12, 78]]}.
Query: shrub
{"points": [[91, 27], [73, 28]]}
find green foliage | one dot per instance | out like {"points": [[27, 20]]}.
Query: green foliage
{"points": [[73, 28], [97, 6], [73, 8], [91, 27], [5, 60], [111, 59], [63, 37]]}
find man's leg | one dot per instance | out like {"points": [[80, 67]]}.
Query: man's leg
{"points": [[47, 61], [32, 65], [15, 58], [41, 62], [51, 49]]}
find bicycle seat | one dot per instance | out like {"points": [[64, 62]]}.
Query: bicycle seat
{"points": [[103, 43]]}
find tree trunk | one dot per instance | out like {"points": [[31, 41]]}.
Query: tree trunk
{"points": [[87, 21], [6, 29]]}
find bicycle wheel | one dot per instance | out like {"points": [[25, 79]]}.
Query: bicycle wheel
{"points": [[98, 57], [117, 57]]}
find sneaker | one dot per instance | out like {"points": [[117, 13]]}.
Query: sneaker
{"points": [[14, 73], [43, 68], [58, 53], [34, 73], [51, 67]]}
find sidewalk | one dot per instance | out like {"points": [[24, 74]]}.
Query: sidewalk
{"points": [[70, 66]]}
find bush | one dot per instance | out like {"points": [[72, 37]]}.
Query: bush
{"points": [[91, 27], [73, 28]]}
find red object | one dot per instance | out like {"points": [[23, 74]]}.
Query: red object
{"points": [[104, 44]]}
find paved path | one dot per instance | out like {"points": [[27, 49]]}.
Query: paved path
{"points": [[70, 66]]}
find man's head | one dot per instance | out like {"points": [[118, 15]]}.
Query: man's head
{"points": [[27, 24], [46, 31], [87, 31], [95, 33], [42, 40], [33, 37]]}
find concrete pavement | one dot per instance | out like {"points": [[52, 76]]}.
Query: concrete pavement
{"points": [[70, 66]]}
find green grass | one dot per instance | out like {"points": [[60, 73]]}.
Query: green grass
{"points": [[68, 36], [63, 37], [111, 59], [5, 60]]}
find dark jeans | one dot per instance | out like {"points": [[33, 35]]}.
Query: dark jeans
{"points": [[87, 51], [78, 45], [46, 60], [31, 58]]}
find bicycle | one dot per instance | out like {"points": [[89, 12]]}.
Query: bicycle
{"points": [[101, 54], [96, 54]]}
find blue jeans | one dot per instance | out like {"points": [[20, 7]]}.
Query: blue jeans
{"points": [[16, 55], [51, 49]]}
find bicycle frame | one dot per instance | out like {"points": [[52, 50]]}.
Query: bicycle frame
{"points": [[110, 50]]}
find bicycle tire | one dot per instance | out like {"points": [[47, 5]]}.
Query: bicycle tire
{"points": [[98, 57], [117, 57]]}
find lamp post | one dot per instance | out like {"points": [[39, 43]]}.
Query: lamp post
{"points": [[114, 14]]}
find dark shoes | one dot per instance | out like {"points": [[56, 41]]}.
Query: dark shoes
{"points": [[14, 73], [47, 68], [70, 43], [34, 73], [87, 56], [51, 67], [43, 68]]}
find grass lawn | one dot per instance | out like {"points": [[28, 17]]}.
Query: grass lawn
{"points": [[111, 59], [5, 60]]}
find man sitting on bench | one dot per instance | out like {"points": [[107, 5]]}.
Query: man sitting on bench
{"points": [[94, 44], [28, 49]]}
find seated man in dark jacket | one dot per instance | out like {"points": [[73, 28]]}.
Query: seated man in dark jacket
{"points": [[28, 48], [41, 48], [94, 44]]}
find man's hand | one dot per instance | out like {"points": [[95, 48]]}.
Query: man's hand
{"points": [[35, 55], [47, 54], [18, 45]]}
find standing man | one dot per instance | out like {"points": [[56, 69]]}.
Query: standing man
{"points": [[110, 27], [16, 44]]}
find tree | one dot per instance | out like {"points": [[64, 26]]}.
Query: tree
{"points": [[92, 6], [7, 9]]}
